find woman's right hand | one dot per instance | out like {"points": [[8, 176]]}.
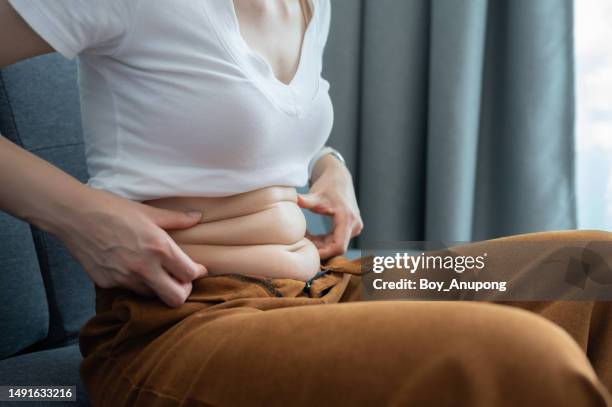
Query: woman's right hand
{"points": [[123, 243]]}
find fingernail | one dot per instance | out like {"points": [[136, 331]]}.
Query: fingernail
{"points": [[194, 214]]}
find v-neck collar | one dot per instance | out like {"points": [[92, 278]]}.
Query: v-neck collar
{"points": [[290, 97], [305, 38]]}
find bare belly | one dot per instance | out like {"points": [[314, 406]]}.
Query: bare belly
{"points": [[257, 233]]}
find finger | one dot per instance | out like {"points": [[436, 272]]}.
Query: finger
{"points": [[169, 290], [342, 230], [357, 229], [132, 283], [338, 242], [307, 201], [329, 249], [181, 266], [168, 219], [311, 237], [315, 203], [321, 242], [317, 240], [139, 287]]}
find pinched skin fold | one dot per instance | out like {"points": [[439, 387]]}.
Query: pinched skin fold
{"points": [[257, 233]]}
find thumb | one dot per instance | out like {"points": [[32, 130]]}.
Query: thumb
{"points": [[169, 219], [308, 201], [315, 202]]}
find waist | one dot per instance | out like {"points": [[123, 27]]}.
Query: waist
{"points": [[141, 180], [231, 206]]}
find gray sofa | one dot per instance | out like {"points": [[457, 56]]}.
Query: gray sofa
{"points": [[45, 297]]}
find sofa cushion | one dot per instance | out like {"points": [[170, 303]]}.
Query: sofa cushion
{"points": [[41, 112], [52, 367], [25, 316]]}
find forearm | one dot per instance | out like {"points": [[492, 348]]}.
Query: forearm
{"points": [[35, 190]]}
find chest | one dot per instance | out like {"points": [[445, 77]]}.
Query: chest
{"points": [[187, 72], [274, 29], [187, 89]]}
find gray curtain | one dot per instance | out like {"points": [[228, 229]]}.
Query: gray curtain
{"points": [[455, 116]]}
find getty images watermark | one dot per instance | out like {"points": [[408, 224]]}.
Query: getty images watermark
{"points": [[495, 270], [412, 264]]}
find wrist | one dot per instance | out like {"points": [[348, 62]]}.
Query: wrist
{"points": [[328, 164], [60, 213]]}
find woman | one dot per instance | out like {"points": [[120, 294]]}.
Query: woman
{"points": [[219, 107], [129, 152]]}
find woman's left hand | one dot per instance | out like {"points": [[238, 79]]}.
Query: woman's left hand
{"points": [[332, 193]]}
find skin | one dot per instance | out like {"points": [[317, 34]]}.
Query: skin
{"points": [[275, 30], [125, 243], [256, 233]]}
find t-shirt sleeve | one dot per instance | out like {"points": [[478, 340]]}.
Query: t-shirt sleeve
{"points": [[73, 27], [325, 19]]}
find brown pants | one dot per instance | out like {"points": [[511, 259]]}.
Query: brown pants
{"points": [[241, 341]]}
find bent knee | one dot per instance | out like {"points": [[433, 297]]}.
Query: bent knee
{"points": [[534, 355], [522, 332]]}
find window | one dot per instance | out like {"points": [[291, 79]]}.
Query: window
{"points": [[593, 41]]}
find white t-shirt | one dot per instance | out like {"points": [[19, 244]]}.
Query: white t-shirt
{"points": [[175, 103]]}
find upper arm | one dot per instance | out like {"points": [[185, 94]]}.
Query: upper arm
{"points": [[17, 40], [70, 27]]}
